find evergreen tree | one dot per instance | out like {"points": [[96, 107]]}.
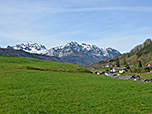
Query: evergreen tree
{"points": [[117, 62], [139, 63], [125, 61], [127, 66]]}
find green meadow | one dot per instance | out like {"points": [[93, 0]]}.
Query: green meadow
{"points": [[31, 86]]}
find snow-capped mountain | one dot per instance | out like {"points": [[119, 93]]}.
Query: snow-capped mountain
{"points": [[72, 52], [30, 47], [88, 49], [75, 48], [110, 52], [90, 53]]}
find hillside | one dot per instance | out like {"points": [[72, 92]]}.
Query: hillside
{"points": [[141, 52], [32, 86], [36, 64], [20, 53], [80, 59]]}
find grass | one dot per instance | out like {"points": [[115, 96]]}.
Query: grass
{"points": [[36, 64], [148, 62], [25, 91], [103, 70]]}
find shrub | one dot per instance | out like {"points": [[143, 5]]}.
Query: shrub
{"points": [[147, 69], [137, 70]]}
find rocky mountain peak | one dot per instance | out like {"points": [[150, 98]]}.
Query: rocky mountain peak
{"points": [[139, 47], [83, 50], [147, 42]]}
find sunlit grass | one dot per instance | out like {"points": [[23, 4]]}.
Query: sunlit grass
{"points": [[26, 91]]}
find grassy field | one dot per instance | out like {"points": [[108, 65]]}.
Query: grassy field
{"points": [[26, 91], [36, 64], [102, 70]]}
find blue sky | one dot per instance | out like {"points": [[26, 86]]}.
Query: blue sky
{"points": [[121, 24]]}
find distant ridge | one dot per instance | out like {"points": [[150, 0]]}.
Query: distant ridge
{"points": [[21, 53], [82, 54]]}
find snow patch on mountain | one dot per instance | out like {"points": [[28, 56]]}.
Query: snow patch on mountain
{"points": [[30, 47], [83, 48]]}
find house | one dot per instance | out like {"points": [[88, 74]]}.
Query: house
{"points": [[149, 65], [130, 65], [131, 77], [143, 80], [108, 73], [122, 71], [99, 72], [117, 69], [114, 70], [148, 80], [136, 78], [109, 65]]}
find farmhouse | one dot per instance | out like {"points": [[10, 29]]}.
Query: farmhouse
{"points": [[149, 65], [120, 70], [99, 72], [109, 65], [142, 80], [108, 73], [131, 77], [130, 65], [148, 80]]}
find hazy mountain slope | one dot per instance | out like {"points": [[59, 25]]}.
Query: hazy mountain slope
{"points": [[20, 53], [80, 59]]}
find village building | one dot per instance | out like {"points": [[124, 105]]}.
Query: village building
{"points": [[109, 65], [130, 65], [148, 80], [108, 73], [142, 80], [131, 77], [120, 70], [148, 67], [99, 72]]}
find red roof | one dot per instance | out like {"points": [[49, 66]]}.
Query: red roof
{"points": [[149, 64]]}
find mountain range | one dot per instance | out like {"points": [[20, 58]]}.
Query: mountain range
{"points": [[82, 54]]}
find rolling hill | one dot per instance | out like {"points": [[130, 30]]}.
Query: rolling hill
{"points": [[36, 64]]}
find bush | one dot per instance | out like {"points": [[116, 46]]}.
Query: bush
{"points": [[137, 70], [147, 69]]}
